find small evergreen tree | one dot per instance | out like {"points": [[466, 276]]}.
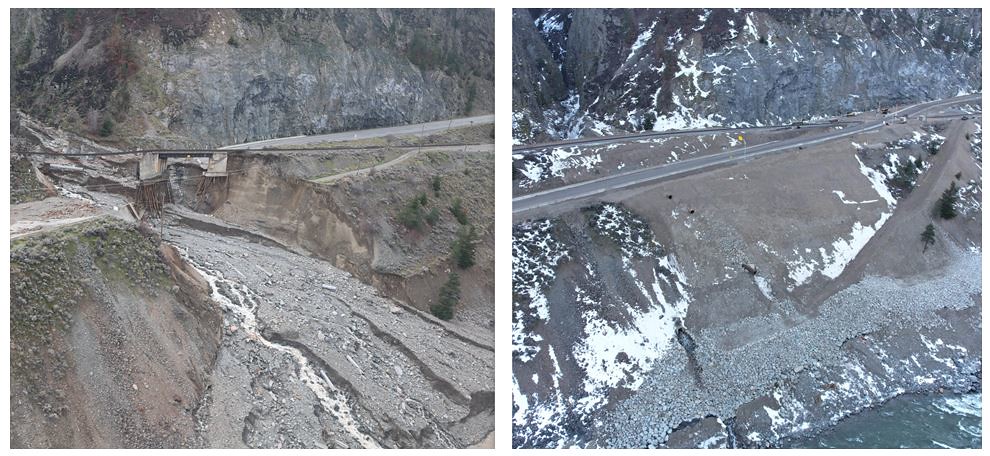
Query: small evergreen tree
{"points": [[934, 144], [928, 236], [458, 212], [435, 183], [946, 206], [904, 180], [424, 52], [649, 120], [450, 294], [411, 216], [433, 216], [463, 248], [107, 128], [471, 95]]}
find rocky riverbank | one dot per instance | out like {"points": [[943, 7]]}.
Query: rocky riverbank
{"points": [[871, 342]]}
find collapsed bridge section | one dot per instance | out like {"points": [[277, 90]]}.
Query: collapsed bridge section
{"points": [[153, 190]]}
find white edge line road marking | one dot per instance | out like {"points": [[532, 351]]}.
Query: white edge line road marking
{"points": [[725, 157]]}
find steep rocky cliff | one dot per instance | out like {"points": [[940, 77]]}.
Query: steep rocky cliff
{"points": [[586, 72], [227, 76]]}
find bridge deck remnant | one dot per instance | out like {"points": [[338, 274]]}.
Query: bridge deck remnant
{"points": [[153, 164]]}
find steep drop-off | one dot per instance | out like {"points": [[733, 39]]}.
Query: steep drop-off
{"points": [[113, 338], [353, 222]]}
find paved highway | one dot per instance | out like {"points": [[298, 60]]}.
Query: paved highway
{"points": [[422, 128], [585, 189], [599, 140]]}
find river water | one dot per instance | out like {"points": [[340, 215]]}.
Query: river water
{"points": [[907, 421], [242, 305]]}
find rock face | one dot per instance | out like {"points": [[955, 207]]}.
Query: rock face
{"points": [[229, 76], [112, 340], [584, 72]]}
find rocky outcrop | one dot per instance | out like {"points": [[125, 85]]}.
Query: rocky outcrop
{"points": [[601, 71], [227, 76], [112, 340]]}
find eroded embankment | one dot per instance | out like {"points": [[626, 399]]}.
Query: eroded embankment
{"points": [[353, 224], [112, 339]]}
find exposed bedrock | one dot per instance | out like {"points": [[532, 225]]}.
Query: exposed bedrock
{"points": [[214, 77], [588, 71]]}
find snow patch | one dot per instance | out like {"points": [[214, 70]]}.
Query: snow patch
{"points": [[641, 40], [535, 256], [620, 354], [764, 285]]}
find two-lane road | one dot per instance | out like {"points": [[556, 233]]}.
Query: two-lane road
{"points": [[283, 145], [586, 189], [602, 140], [420, 128]]}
